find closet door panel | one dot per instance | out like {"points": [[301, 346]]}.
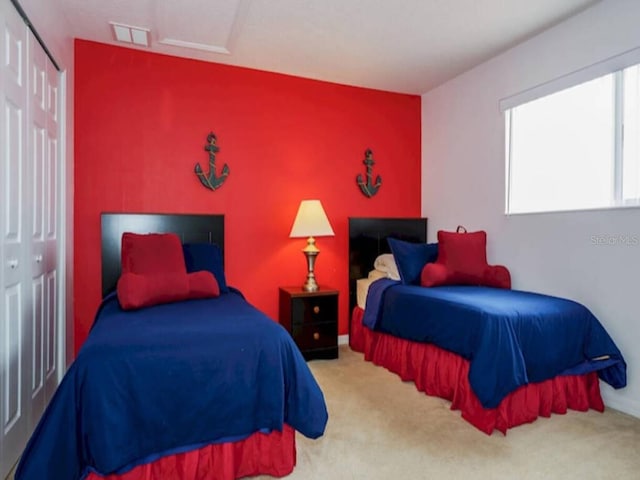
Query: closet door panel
{"points": [[51, 334], [34, 199], [51, 206], [14, 261], [37, 344]]}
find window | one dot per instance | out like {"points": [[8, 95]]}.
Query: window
{"points": [[577, 148], [631, 139]]}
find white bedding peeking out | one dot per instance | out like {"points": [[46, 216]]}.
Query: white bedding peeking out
{"points": [[386, 263], [384, 266], [362, 288]]}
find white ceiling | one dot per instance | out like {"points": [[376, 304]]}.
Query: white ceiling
{"points": [[407, 46]]}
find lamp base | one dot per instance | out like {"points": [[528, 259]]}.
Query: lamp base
{"points": [[310, 285], [311, 252]]}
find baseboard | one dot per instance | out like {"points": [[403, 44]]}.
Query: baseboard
{"points": [[343, 339], [621, 403]]}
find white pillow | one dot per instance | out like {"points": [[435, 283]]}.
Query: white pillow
{"points": [[376, 274], [387, 264]]}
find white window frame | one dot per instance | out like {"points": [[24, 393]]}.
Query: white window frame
{"points": [[616, 65]]}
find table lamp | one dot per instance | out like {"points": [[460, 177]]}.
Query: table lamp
{"points": [[311, 221]]}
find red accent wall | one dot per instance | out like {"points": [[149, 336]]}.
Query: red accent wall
{"points": [[141, 121]]}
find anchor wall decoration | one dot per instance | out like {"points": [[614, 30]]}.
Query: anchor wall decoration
{"points": [[369, 188], [211, 180]]}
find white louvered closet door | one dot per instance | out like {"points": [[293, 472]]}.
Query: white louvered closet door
{"points": [[14, 281], [29, 202]]}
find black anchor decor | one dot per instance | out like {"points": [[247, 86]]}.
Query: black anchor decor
{"points": [[211, 180], [369, 189]]}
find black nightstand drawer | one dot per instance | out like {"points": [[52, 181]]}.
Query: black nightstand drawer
{"points": [[307, 310], [312, 320], [312, 336]]}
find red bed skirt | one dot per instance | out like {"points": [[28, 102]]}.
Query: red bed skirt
{"points": [[260, 454], [444, 374]]}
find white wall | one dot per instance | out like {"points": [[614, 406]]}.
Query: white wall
{"points": [[51, 25], [463, 179]]}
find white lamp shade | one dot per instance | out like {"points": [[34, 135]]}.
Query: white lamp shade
{"points": [[311, 221]]}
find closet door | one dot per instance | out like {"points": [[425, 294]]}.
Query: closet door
{"points": [[52, 205], [29, 206], [14, 267], [34, 200], [42, 198]]}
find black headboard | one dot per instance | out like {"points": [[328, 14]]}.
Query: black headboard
{"points": [[190, 229], [368, 239]]}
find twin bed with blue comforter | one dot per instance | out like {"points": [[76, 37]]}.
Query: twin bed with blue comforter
{"points": [[511, 338], [502, 357], [174, 378], [169, 378]]}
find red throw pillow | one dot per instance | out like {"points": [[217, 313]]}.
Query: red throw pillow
{"points": [[152, 253], [154, 272], [138, 291], [497, 276], [465, 254], [203, 285], [434, 274], [462, 260]]}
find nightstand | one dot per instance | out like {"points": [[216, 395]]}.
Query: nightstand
{"points": [[312, 320]]}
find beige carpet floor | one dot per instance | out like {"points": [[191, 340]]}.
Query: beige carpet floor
{"points": [[382, 428]]}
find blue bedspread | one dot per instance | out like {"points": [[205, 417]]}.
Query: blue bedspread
{"points": [[510, 337], [171, 378]]}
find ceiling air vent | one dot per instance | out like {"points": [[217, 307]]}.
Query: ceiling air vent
{"points": [[129, 34]]}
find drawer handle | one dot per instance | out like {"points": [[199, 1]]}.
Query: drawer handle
{"points": [[13, 264], [316, 336], [316, 309]]}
